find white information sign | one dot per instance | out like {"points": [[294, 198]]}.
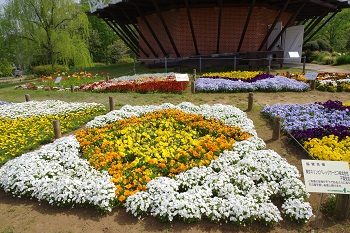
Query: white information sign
{"points": [[58, 79], [182, 77], [322, 176], [294, 54], [311, 75]]}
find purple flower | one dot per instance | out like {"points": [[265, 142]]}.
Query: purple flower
{"points": [[278, 83]]}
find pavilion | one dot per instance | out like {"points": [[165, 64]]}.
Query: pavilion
{"points": [[180, 30]]}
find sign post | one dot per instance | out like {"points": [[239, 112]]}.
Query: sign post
{"points": [[322, 176]]}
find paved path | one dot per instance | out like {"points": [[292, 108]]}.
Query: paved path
{"points": [[318, 68]]}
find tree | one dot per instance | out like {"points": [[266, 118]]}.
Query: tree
{"points": [[336, 31], [101, 36], [117, 50], [56, 31]]}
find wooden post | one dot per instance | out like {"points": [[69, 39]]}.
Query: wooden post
{"points": [[288, 74], [72, 88], [193, 87], [194, 74], [250, 102], [134, 71], [304, 63], [276, 128], [111, 103], [27, 96], [342, 206], [235, 63], [57, 129], [313, 85], [107, 78]]}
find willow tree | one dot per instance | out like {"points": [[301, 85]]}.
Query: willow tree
{"points": [[55, 30]]}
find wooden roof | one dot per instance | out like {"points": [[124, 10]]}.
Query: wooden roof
{"points": [[127, 11]]}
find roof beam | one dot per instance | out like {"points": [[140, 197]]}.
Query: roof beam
{"points": [[290, 21], [219, 27], [150, 29], [139, 32], [310, 23], [116, 30], [315, 23], [125, 30], [165, 27], [324, 4], [246, 25], [319, 28], [191, 26], [278, 17]]}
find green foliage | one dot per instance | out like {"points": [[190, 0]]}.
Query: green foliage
{"points": [[311, 46], [322, 57], [329, 204], [5, 68], [343, 59], [49, 69], [126, 60], [116, 51], [324, 46], [46, 32], [336, 32]]}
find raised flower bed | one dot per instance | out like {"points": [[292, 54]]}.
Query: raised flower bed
{"points": [[139, 83], [24, 126], [220, 173], [331, 82], [322, 128], [144, 83], [247, 81]]}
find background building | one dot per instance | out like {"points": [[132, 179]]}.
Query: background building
{"points": [[182, 30]]}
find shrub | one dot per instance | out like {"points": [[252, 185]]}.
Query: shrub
{"points": [[343, 59], [324, 46], [49, 69], [321, 57], [311, 46], [126, 60], [328, 60]]}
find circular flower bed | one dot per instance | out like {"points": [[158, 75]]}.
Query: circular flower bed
{"points": [[238, 186]]}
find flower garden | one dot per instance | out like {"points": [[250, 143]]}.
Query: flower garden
{"points": [[173, 162], [322, 128], [154, 159], [233, 81]]}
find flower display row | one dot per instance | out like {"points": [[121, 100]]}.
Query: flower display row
{"points": [[322, 128], [272, 84], [151, 85], [145, 83], [24, 126], [239, 186], [334, 85], [233, 75], [325, 81]]}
